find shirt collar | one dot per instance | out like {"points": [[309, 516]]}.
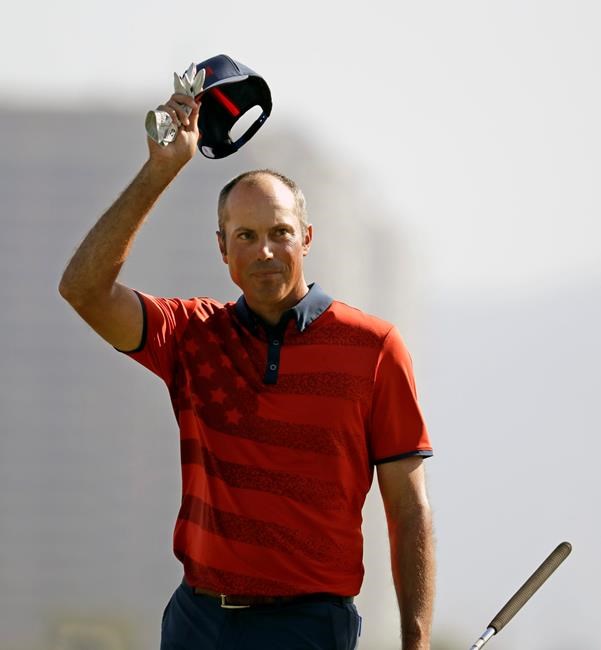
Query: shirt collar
{"points": [[307, 309]]}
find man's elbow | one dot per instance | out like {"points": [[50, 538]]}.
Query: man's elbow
{"points": [[64, 288], [67, 290], [77, 296]]}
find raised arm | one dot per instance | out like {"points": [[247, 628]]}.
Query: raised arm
{"points": [[89, 283], [403, 489]]}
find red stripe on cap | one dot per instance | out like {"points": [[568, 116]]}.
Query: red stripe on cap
{"points": [[226, 101], [231, 107]]}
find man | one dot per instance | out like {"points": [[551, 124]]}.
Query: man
{"points": [[286, 400]]}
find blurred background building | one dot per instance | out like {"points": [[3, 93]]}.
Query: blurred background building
{"points": [[453, 192]]}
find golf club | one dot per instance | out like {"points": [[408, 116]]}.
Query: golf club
{"points": [[524, 593]]}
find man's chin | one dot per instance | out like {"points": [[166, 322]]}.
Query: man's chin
{"points": [[268, 282], [271, 291], [266, 294]]}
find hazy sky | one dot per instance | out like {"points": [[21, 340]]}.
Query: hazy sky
{"points": [[478, 121]]}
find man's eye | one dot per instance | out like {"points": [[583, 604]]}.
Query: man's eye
{"points": [[244, 235]]}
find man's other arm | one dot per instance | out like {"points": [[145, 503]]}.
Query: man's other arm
{"points": [[403, 488], [89, 283]]}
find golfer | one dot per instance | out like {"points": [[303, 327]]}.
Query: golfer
{"points": [[286, 400]]}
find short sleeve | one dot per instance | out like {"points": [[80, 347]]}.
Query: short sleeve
{"points": [[397, 428], [165, 320]]}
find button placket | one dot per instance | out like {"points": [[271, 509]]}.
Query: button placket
{"points": [[274, 344]]}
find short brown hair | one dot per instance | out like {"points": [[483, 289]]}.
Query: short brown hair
{"points": [[300, 203]]}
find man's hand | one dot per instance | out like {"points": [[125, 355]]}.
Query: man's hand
{"points": [[172, 157]]}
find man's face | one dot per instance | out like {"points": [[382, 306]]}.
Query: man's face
{"points": [[264, 244]]}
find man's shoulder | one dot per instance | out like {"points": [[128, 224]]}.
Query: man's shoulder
{"points": [[191, 305], [205, 302], [183, 310], [357, 319], [208, 310]]}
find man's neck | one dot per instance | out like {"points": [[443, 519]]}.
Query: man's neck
{"points": [[272, 314]]}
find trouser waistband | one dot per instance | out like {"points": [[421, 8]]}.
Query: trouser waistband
{"points": [[235, 601]]}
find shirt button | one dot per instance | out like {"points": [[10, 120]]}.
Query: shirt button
{"points": [[273, 366], [275, 342]]}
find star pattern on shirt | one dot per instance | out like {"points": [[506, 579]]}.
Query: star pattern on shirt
{"points": [[233, 416], [218, 395], [221, 390], [212, 339], [225, 396], [192, 347], [225, 361], [205, 370]]}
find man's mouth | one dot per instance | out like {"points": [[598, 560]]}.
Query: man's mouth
{"points": [[267, 272]]}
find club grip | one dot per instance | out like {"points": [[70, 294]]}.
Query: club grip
{"points": [[531, 586]]}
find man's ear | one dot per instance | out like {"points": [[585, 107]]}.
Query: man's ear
{"points": [[221, 243], [307, 239]]}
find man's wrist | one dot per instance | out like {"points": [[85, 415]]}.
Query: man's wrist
{"points": [[415, 641], [160, 172]]}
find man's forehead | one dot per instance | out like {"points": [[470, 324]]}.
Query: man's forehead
{"points": [[262, 188], [287, 220], [262, 204]]}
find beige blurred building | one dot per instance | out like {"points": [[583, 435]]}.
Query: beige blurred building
{"points": [[89, 458]]}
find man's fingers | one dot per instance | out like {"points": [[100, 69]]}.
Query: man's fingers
{"points": [[193, 119], [194, 114], [167, 108], [179, 107], [181, 111], [182, 99], [183, 104]]}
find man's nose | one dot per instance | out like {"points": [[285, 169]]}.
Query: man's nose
{"points": [[265, 251]]}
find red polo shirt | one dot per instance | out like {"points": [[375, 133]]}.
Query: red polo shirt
{"points": [[280, 430]]}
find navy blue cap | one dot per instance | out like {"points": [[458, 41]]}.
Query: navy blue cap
{"points": [[230, 90]]}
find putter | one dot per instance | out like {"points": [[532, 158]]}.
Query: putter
{"points": [[524, 593]]}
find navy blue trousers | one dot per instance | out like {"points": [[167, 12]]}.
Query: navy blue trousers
{"points": [[195, 622]]}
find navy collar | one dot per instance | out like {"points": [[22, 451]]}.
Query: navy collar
{"points": [[307, 309]]}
